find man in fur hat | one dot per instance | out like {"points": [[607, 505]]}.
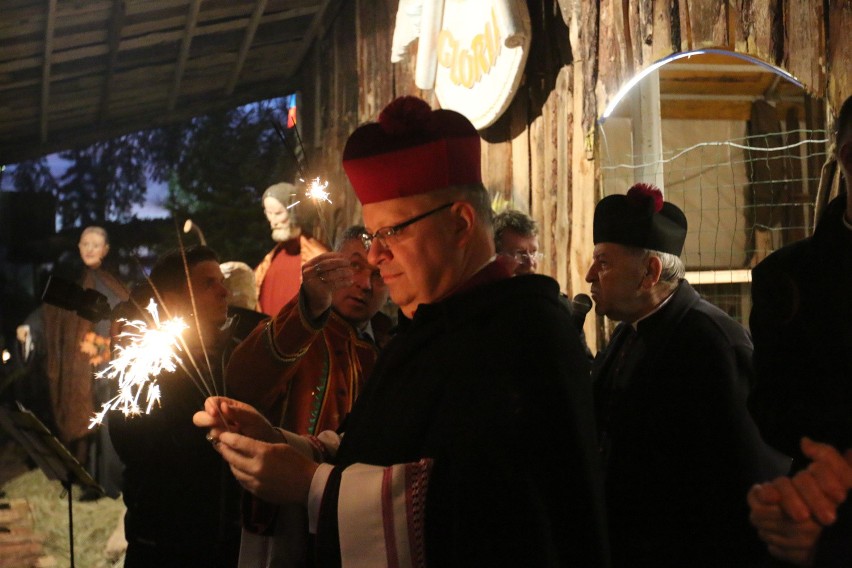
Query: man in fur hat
{"points": [[472, 443], [680, 450]]}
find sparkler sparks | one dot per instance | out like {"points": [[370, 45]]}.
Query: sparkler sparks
{"points": [[316, 190], [142, 354]]}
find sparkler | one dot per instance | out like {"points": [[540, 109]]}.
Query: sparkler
{"points": [[145, 350], [316, 188], [142, 354]]}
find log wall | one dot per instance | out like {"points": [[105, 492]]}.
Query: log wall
{"points": [[541, 154]]}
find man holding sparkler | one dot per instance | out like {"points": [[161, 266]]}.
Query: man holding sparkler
{"points": [[305, 367], [309, 362], [182, 504], [278, 274], [473, 441]]}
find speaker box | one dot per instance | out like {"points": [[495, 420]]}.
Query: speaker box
{"points": [[25, 218]]}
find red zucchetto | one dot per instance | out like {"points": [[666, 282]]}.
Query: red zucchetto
{"points": [[640, 219], [412, 149]]}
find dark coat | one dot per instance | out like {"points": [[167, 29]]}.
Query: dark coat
{"points": [[801, 320], [493, 385], [182, 500], [681, 450]]}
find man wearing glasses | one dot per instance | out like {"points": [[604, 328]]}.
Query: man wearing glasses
{"points": [[304, 368], [472, 443], [516, 238]]}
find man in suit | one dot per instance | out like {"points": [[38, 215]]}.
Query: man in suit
{"points": [[680, 450]]}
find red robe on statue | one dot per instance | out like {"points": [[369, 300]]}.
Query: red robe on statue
{"points": [[278, 276]]}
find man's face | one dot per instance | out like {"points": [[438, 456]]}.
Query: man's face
{"points": [[93, 248], [211, 296], [616, 276], [419, 263], [279, 220], [523, 249], [359, 302]]}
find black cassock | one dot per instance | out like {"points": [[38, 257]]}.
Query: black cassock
{"points": [[492, 385]]}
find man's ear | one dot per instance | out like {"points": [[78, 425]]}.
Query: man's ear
{"points": [[464, 221], [653, 270]]}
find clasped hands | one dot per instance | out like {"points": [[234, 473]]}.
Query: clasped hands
{"points": [[258, 456], [790, 513]]}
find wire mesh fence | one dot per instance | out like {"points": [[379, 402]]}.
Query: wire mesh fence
{"points": [[744, 194]]}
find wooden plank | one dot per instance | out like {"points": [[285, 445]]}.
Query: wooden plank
{"points": [[759, 30], [839, 53], [497, 157], [613, 65], [804, 43], [183, 54], [707, 23], [251, 28], [45, 77], [520, 174], [114, 40], [754, 83], [374, 29], [563, 185], [316, 29], [662, 43]]}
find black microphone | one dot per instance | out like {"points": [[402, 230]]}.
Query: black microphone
{"points": [[580, 306]]}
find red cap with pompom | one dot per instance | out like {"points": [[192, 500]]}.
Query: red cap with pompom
{"points": [[640, 219], [412, 149]]}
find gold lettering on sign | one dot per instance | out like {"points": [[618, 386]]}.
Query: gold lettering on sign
{"points": [[468, 64]]}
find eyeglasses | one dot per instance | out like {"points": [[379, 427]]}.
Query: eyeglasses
{"points": [[522, 256], [386, 233]]}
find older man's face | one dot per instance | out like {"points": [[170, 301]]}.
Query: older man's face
{"points": [[420, 263], [616, 277], [279, 220]]}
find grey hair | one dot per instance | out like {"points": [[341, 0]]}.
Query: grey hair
{"points": [[476, 195], [515, 221], [673, 269], [353, 233]]}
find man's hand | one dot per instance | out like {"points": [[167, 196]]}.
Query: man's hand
{"points": [[274, 472], [790, 513], [321, 276], [254, 449], [223, 414], [782, 522]]}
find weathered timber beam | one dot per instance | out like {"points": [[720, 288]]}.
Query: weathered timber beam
{"points": [[114, 34], [248, 38], [45, 74], [186, 41]]}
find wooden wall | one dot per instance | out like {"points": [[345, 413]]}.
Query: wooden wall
{"points": [[541, 154]]}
